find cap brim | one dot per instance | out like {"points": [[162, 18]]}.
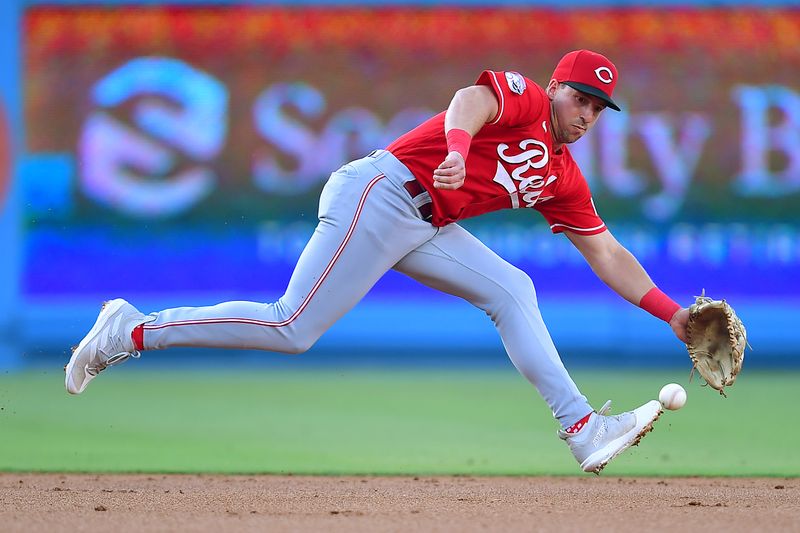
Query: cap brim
{"points": [[588, 89]]}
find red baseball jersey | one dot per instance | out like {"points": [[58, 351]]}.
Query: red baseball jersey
{"points": [[511, 162]]}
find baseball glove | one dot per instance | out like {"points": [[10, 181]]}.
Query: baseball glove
{"points": [[717, 339]]}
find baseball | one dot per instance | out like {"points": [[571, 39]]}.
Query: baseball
{"points": [[672, 396]]}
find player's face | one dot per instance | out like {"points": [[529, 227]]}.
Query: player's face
{"points": [[573, 112]]}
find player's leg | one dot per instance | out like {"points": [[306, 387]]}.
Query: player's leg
{"points": [[457, 263], [367, 223]]}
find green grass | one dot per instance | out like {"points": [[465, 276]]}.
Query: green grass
{"points": [[379, 422]]}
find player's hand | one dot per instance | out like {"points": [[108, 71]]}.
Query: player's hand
{"points": [[451, 173], [678, 323]]}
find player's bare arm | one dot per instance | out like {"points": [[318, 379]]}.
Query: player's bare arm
{"points": [[620, 270], [470, 108]]}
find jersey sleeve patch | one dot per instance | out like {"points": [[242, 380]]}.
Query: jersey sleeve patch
{"points": [[516, 83]]}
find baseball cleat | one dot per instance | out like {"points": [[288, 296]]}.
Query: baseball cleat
{"points": [[604, 437], [107, 343]]}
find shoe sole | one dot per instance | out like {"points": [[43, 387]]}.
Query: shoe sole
{"points": [[106, 312], [632, 438]]}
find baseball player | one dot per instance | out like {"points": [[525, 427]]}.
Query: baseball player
{"points": [[501, 143]]}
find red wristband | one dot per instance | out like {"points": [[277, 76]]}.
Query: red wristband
{"points": [[458, 141], [659, 304]]}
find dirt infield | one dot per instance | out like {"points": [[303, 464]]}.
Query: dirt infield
{"points": [[120, 503]]}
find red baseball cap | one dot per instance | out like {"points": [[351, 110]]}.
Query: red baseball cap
{"points": [[590, 73]]}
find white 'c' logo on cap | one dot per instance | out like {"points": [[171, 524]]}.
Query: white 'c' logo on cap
{"points": [[604, 74]]}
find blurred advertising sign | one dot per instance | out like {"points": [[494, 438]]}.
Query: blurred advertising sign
{"points": [[199, 120], [175, 110]]}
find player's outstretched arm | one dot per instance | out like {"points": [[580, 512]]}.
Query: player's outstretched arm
{"points": [[470, 108], [620, 270]]}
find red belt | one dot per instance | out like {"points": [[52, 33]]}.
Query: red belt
{"points": [[415, 189]]}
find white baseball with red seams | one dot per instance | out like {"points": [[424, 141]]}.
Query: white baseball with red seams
{"points": [[672, 396]]}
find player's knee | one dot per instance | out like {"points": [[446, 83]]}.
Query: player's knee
{"points": [[519, 285], [515, 290], [525, 286], [297, 345]]}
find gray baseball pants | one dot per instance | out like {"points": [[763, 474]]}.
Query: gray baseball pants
{"points": [[368, 224]]}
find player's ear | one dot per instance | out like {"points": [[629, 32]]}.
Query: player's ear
{"points": [[551, 89]]}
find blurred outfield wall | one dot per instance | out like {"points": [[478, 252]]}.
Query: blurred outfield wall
{"points": [[173, 155]]}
